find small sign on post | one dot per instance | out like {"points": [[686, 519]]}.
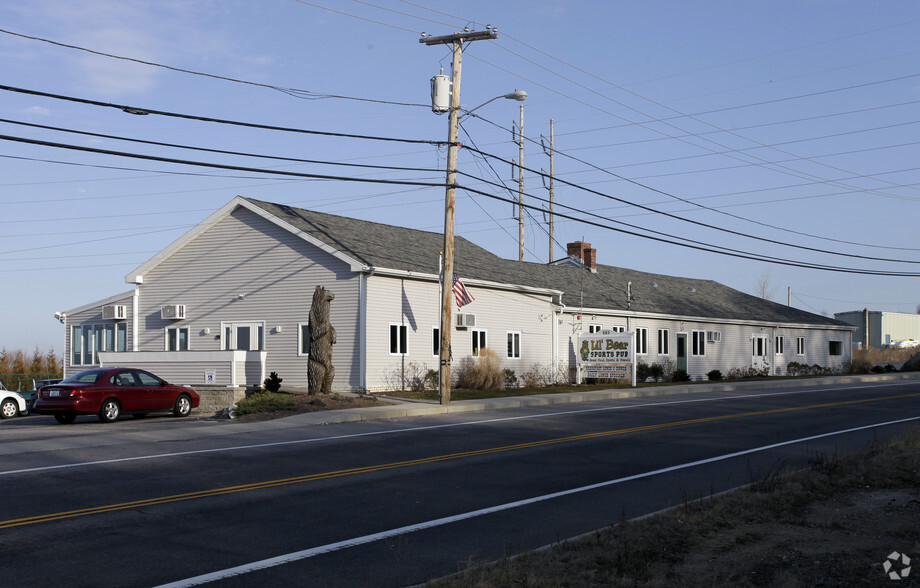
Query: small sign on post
{"points": [[607, 355]]}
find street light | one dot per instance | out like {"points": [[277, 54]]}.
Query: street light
{"points": [[448, 269]]}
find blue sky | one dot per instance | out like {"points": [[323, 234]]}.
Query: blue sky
{"points": [[780, 130]]}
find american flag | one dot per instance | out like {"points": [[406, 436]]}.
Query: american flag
{"points": [[461, 294]]}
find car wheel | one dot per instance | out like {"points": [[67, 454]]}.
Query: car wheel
{"points": [[9, 408], [65, 419], [183, 406], [109, 411]]}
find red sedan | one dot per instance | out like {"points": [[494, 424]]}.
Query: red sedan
{"points": [[109, 392]]}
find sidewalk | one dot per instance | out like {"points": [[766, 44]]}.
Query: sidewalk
{"points": [[401, 408]]}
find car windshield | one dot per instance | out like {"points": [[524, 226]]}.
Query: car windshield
{"points": [[87, 377]]}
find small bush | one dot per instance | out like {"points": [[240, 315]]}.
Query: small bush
{"points": [[264, 402], [511, 380], [714, 375], [656, 370], [643, 371], [861, 363], [272, 383], [680, 375]]}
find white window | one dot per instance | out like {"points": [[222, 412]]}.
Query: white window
{"points": [[699, 343], [594, 328], [177, 339], [641, 341], [479, 342], [303, 338], [514, 345], [780, 345], [664, 342], [617, 329], [800, 345], [86, 341], [436, 341], [399, 339]]}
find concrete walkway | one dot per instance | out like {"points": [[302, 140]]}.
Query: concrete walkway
{"points": [[401, 408]]}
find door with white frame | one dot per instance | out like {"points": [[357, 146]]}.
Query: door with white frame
{"points": [[243, 336], [759, 352]]}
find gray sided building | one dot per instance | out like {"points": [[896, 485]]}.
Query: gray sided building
{"points": [[228, 303]]}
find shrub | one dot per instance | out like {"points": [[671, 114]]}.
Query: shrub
{"points": [[714, 375], [680, 375], [411, 376], [264, 402], [482, 373], [643, 371], [511, 380], [656, 371], [272, 383], [862, 364]]}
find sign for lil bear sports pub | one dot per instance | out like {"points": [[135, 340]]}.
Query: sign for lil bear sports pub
{"points": [[607, 355]]}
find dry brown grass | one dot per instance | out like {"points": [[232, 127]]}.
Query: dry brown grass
{"points": [[830, 525], [482, 373]]}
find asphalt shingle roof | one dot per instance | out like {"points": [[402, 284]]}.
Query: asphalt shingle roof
{"points": [[385, 246]]}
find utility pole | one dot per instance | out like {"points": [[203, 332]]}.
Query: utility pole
{"points": [[551, 178], [521, 187], [456, 41]]}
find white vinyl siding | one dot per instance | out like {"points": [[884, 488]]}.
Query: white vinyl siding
{"points": [[246, 269]]}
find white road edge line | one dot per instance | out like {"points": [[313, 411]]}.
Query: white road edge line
{"points": [[429, 427], [308, 553]]}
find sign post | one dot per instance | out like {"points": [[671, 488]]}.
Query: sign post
{"points": [[607, 355]]}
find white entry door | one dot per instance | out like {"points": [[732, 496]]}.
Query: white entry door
{"points": [[248, 336], [759, 352]]}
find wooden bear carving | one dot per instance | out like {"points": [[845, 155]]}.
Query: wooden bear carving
{"points": [[322, 337]]}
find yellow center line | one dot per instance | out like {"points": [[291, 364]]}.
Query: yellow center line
{"points": [[420, 461]]}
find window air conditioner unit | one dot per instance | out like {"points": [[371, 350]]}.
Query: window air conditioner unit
{"points": [[114, 311], [713, 336], [172, 311], [466, 320]]}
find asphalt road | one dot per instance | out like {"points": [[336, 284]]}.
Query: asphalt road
{"points": [[395, 502]]}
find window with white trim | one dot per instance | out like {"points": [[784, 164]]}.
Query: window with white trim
{"points": [[800, 345], [641, 341], [699, 343], [780, 347], [399, 339], [514, 345], [177, 338], [664, 342], [479, 342], [594, 328], [435, 341], [617, 329], [303, 338]]}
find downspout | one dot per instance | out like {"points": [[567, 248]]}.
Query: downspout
{"points": [[135, 303]]}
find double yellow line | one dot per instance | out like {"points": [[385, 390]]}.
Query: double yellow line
{"points": [[413, 462]]}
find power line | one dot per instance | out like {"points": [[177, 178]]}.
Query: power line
{"points": [[212, 165], [695, 244], [144, 111], [297, 93], [209, 150], [698, 223]]}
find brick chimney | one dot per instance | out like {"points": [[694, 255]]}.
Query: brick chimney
{"points": [[584, 253]]}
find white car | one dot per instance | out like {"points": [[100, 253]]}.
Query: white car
{"points": [[905, 344], [11, 404]]}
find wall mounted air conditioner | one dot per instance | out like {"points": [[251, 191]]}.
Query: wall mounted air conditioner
{"points": [[465, 320], [172, 311], [117, 312], [713, 336]]}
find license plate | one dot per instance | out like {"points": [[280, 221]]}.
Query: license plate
{"points": [[54, 393]]}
